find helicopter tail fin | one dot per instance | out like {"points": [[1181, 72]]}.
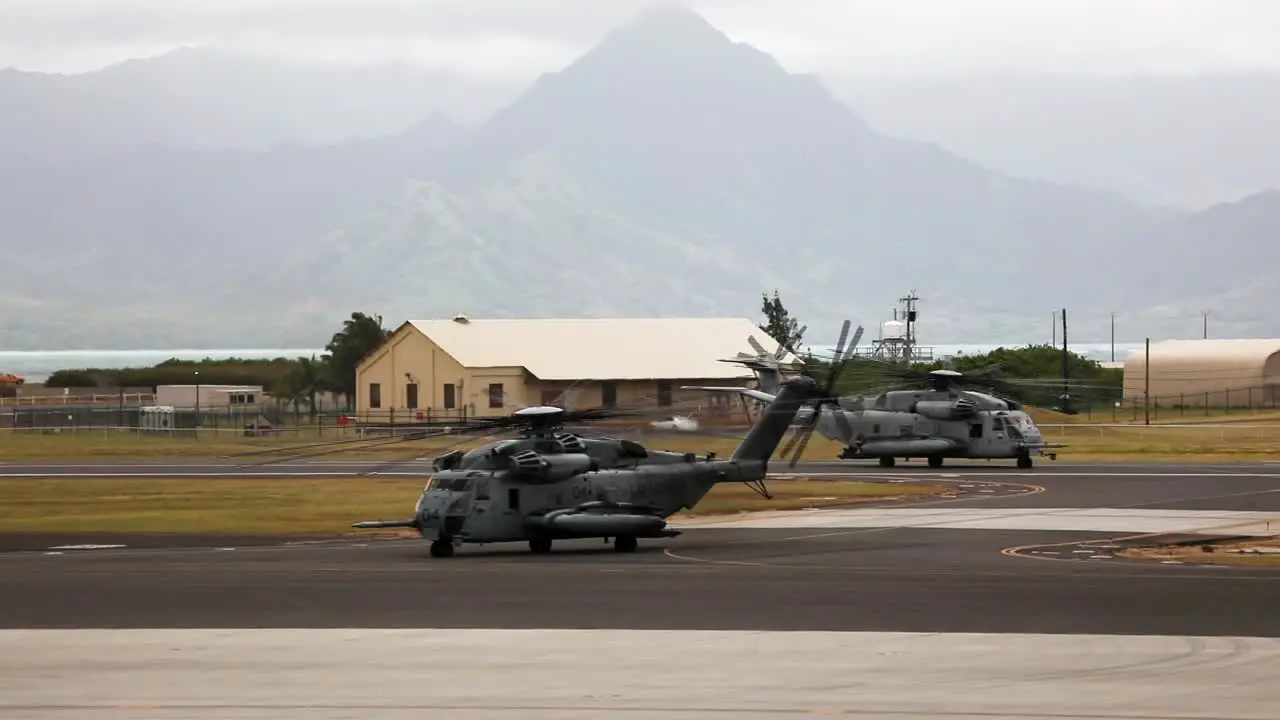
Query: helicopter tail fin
{"points": [[767, 433], [767, 374]]}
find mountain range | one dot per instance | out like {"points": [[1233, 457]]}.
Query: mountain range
{"points": [[667, 171]]}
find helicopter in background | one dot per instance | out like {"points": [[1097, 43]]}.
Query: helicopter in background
{"points": [[943, 419]]}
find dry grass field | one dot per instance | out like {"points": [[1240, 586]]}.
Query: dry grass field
{"points": [[315, 506], [1235, 554], [1219, 436]]}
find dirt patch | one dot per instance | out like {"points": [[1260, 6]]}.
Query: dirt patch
{"points": [[1245, 553]]}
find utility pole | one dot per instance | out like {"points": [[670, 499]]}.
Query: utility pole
{"points": [[1113, 336], [1146, 390], [1204, 316], [1066, 398], [1055, 328], [911, 315]]}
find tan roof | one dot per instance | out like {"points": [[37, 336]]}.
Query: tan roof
{"points": [[602, 349], [1241, 351]]}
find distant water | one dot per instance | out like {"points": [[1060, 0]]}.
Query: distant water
{"points": [[36, 365]]}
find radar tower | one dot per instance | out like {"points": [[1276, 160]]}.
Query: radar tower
{"points": [[897, 342]]}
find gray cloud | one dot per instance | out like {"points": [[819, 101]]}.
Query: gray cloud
{"points": [[531, 36]]}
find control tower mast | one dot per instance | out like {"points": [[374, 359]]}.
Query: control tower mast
{"points": [[898, 342]]}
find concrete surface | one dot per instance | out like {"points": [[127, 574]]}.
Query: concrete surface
{"points": [[558, 674], [905, 613], [1260, 524]]}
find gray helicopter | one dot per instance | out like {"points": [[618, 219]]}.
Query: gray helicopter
{"points": [[940, 421], [552, 485]]}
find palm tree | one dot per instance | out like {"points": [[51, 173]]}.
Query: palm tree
{"points": [[307, 379]]}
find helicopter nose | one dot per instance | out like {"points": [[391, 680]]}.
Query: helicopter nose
{"points": [[444, 512]]}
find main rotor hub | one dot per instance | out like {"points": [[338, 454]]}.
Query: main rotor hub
{"points": [[944, 379], [541, 417]]}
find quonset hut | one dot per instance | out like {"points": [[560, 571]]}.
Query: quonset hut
{"points": [[1206, 373]]}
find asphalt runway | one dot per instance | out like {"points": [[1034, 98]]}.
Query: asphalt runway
{"points": [[916, 580], [879, 604], [931, 566]]}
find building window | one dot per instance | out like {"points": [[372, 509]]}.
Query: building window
{"points": [[375, 395], [495, 395], [450, 396], [411, 396], [609, 394], [664, 392]]}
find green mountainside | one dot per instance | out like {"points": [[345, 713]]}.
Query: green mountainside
{"points": [[669, 171]]}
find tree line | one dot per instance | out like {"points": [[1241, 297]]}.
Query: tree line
{"points": [[296, 380], [1032, 362]]}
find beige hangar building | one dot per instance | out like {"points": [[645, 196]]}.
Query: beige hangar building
{"points": [[1199, 373], [493, 367]]}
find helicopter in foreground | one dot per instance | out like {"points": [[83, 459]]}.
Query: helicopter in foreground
{"points": [[941, 420], [548, 486]]}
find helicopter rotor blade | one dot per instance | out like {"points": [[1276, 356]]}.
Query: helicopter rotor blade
{"points": [[844, 335], [791, 442], [785, 345], [804, 442]]}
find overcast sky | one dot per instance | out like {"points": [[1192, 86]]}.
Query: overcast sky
{"points": [[528, 36]]}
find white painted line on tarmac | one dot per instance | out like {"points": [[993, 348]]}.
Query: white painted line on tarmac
{"points": [[232, 474], [926, 475], [1119, 520]]}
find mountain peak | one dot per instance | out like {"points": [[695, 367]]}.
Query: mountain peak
{"points": [[674, 38], [671, 17]]}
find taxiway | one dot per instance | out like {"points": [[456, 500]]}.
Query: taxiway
{"points": [[908, 611]]}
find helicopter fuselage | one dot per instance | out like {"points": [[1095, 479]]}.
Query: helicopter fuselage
{"points": [[935, 425], [555, 485], [582, 501]]}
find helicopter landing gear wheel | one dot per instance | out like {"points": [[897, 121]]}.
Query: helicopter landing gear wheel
{"points": [[540, 546], [886, 462], [1024, 460], [442, 547], [935, 462], [625, 544]]}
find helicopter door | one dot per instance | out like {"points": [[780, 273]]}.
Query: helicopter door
{"points": [[480, 501], [985, 436]]}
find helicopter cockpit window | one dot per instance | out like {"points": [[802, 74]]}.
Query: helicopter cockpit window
{"points": [[482, 489], [450, 483], [478, 461]]}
